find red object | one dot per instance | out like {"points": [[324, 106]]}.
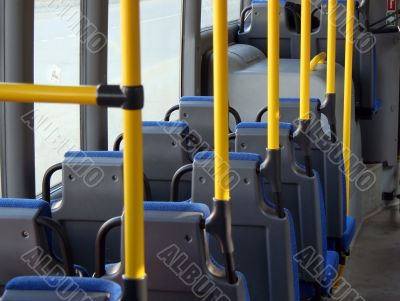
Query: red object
{"points": [[392, 5]]}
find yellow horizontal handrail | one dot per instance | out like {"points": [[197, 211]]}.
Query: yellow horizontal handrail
{"points": [[320, 58], [85, 95]]}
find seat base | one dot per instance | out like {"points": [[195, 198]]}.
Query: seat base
{"points": [[308, 290]]}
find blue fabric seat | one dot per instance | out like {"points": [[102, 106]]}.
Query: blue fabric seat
{"points": [[349, 233], [350, 225], [332, 261], [62, 285]]}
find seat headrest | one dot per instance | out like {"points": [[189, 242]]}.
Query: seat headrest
{"points": [[60, 283], [284, 1], [263, 125], [296, 99], [197, 98], [186, 206], [232, 156], [168, 127], [92, 154], [42, 206]]}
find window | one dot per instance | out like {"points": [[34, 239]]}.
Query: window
{"points": [[56, 62], [160, 53], [206, 12]]}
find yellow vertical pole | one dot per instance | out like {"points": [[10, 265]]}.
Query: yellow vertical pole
{"points": [[305, 59], [273, 74], [221, 142], [133, 147], [219, 223], [272, 164], [348, 83], [331, 49]]}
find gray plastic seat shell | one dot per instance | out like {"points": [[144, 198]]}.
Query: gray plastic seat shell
{"points": [[300, 193], [21, 235], [84, 208], [183, 230], [263, 250], [164, 153]]}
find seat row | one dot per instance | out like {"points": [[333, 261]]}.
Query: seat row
{"points": [[271, 251]]}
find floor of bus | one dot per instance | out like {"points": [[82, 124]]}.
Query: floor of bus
{"points": [[374, 267]]}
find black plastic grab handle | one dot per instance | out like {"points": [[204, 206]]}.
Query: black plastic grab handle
{"points": [[261, 113], [235, 115], [219, 225], [63, 242], [100, 247], [170, 111], [243, 16], [147, 188], [174, 194], [47, 180], [117, 143]]}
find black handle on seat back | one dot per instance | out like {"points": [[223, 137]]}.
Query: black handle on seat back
{"points": [[170, 111], [63, 242], [100, 246], [46, 181], [261, 113], [219, 225], [301, 138], [243, 16], [174, 193], [232, 111], [235, 115], [147, 188], [117, 143]]}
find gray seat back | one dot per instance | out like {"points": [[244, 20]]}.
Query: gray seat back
{"points": [[25, 244], [302, 195], [178, 264], [165, 151], [289, 113], [92, 194], [263, 242], [289, 109], [255, 34], [326, 159], [324, 162], [198, 112]]}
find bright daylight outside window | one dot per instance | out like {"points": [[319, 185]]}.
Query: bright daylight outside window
{"points": [[206, 11], [56, 62], [160, 50]]}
